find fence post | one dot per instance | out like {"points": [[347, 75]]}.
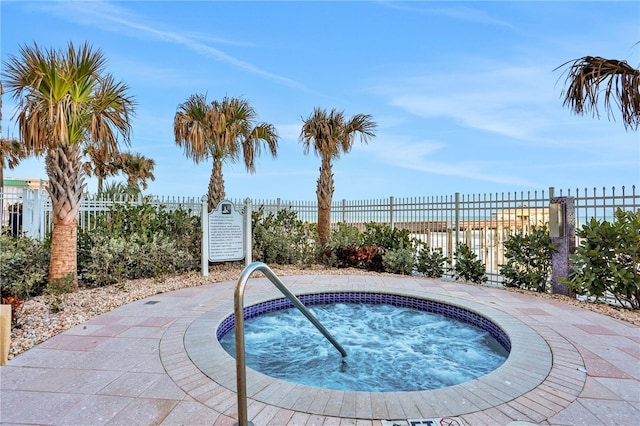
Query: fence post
{"points": [[37, 215], [562, 230], [344, 211], [457, 213], [204, 224], [391, 212], [43, 200], [27, 219]]}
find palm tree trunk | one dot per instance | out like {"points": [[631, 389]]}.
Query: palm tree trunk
{"points": [[216, 185], [324, 193], [65, 188], [1, 169], [64, 261]]}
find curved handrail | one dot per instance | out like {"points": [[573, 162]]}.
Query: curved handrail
{"points": [[238, 310]]}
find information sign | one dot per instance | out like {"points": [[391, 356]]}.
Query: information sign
{"points": [[226, 233]]}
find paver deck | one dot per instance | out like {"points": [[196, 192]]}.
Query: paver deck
{"points": [[144, 364]]}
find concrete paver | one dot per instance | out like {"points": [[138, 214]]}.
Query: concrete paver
{"points": [[133, 366]]}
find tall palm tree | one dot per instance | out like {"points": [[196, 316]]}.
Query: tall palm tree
{"points": [[223, 131], [66, 102], [331, 134], [138, 169], [621, 82]]}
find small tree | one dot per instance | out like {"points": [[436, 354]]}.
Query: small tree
{"points": [[528, 260], [607, 262], [467, 265], [431, 262]]}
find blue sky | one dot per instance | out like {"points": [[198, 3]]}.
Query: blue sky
{"points": [[464, 93]]}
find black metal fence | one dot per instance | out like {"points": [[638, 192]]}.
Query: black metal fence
{"points": [[482, 221]]}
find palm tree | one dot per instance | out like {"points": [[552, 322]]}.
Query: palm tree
{"points": [[223, 131], [101, 164], [138, 168], [331, 134], [622, 84], [11, 152], [66, 102], [119, 191]]}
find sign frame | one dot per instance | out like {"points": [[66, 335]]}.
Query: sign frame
{"points": [[226, 233]]}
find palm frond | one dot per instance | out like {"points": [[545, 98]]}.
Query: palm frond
{"points": [[621, 86]]}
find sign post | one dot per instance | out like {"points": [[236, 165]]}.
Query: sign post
{"points": [[226, 234], [247, 231]]}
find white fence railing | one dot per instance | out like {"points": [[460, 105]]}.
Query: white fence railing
{"points": [[482, 221]]}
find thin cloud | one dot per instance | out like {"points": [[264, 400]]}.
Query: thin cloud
{"points": [[217, 40], [416, 156], [622, 163], [457, 12], [105, 15], [281, 173], [512, 101], [289, 131]]}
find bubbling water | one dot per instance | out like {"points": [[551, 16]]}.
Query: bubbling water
{"points": [[389, 348]]}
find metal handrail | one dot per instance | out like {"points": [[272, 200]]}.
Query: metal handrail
{"points": [[238, 310]]}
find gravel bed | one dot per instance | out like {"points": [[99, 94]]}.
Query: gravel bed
{"points": [[36, 321]]}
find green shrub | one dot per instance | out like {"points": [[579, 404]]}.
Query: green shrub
{"points": [[138, 241], [607, 261], [348, 247], [431, 262], [467, 265], [528, 260], [106, 262], [126, 220], [282, 238], [345, 235], [159, 257], [341, 249], [186, 230], [24, 263], [86, 241], [148, 222], [114, 260], [385, 237], [399, 261]]}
